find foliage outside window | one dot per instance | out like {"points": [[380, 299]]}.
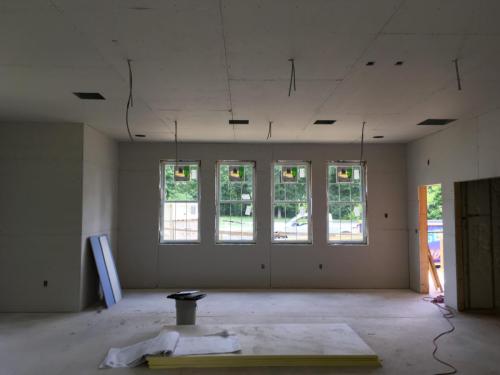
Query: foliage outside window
{"points": [[434, 202], [346, 203], [291, 217], [235, 201], [179, 220]]}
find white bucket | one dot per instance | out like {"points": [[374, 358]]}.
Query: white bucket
{"points": [[186, 311]]}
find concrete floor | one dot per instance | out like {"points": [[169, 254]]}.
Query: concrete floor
{"points": [[397, 324]]}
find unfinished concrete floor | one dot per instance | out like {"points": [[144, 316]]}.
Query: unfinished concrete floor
{"points": [[397, 324]]}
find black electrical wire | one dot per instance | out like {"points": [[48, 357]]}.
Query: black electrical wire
{"points": [[270, 130], [130, 101], [176, 154], [459, 83], [448, 314], [292, 78], [226, 65], [362, 141]]}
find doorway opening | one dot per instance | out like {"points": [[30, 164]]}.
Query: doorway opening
{"points": [[431, 239]]}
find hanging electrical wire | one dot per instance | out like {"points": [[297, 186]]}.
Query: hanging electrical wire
{"points": [[292, 77], [270, 130], [448, 314], [362, 142], [457, 71], [130, 100], [226, 65], [179, 170], [176, 146]]}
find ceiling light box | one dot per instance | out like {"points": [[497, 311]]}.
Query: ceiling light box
{"points": [[436, 121]]}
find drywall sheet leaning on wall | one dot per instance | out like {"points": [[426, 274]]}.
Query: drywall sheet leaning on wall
{"points": [[106, 269]]}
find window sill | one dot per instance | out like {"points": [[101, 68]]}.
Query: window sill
{"points": [[236, 243], [292, 243], [167, 243], [337, 244]]}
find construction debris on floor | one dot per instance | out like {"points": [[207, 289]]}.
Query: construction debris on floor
{"points": [[170, 342]]}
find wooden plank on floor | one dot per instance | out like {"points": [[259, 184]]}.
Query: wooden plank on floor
{"points": [[423, 239], [459, 251]]}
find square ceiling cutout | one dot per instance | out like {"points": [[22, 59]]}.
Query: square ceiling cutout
{"points": [[324, 122], [89, 95], [436, 121]]}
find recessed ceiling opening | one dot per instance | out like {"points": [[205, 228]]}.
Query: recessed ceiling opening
{"points": [[324, 122], [436, 121], [89, 95]]}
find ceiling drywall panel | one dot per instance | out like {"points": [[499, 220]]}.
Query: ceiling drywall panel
{"points": [[170, 88], [214, 125], [193, 61], [42, 39], [386, 88], [269, 100], [434, 17]]}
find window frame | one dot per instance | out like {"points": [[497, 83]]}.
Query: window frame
{"points": [[253, 164], [364, 201], [308, 165], [162, 191]]}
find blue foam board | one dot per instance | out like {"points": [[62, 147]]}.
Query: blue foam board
{"points": [[106, 269]]}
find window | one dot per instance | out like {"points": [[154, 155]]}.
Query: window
{"points": [[180, 202], [235, 201], [291, 217], [346, 203]]}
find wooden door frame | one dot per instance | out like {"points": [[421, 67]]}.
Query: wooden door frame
{"points": [[423, 240], [459, 250]]}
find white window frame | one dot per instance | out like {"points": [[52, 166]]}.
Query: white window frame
{"points": [[294, 163], [163, 201], [364, 198], [218, 201]]}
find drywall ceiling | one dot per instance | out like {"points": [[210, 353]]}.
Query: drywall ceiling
{"points": [[194, 61]]}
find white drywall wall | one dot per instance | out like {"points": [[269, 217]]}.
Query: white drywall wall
{"points": [[143, 263], [40, 216], [99, 203], [468, 150], [58, 185]]}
